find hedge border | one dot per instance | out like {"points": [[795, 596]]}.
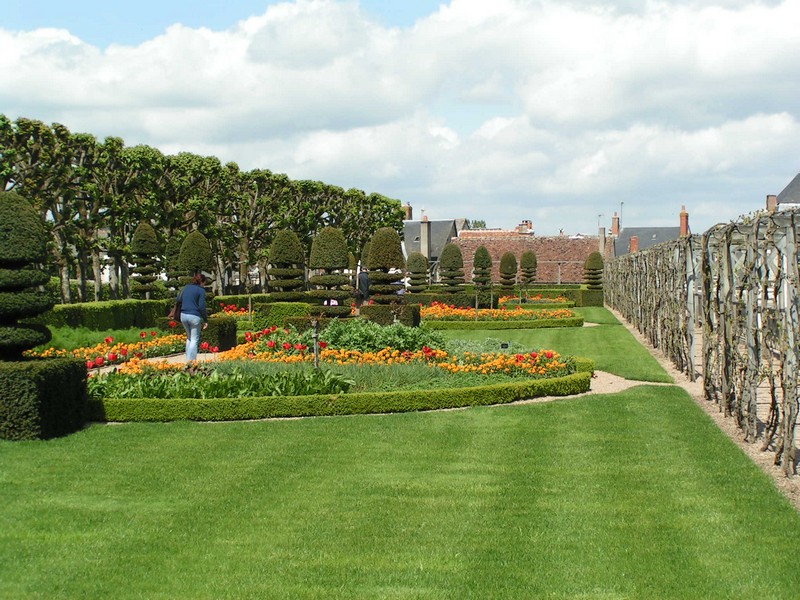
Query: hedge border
{"points": [[239, 409], [496, 325]]}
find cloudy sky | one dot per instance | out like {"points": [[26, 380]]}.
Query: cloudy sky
{"points": [[558, 112]]}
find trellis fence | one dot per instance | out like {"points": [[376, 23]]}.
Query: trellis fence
{"points": [[732, 292]]}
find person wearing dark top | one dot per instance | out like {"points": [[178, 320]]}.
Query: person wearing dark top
{"points": [[193, 313], [362, 288]]}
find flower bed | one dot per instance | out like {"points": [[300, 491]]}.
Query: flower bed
{"points": [[438, 311]]}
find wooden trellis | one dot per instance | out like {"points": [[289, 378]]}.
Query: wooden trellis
{"points": [[736, 287]]}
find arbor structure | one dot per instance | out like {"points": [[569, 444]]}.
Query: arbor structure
{"points": [[386, 265], [286, 269], [451, 269], [23, 247], [329, 256]]}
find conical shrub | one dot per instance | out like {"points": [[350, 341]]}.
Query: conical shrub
{"points": [[451, 269], [330, 256]]}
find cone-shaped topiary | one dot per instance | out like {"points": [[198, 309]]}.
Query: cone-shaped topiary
{"points": [[385, 264], [508, 272], [172, 254], [329, 254], [23, 246], [593, 271], [146, 252], [417, 266], [482, 268], [527, 268], [286, 270], [195, 256], [451, 269]]}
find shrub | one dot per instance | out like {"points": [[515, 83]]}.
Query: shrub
{"points": [[593, 271], [23, 245], [112, 314], [41, 398], [508, 272], [527, 267], [385, 266], [172, 261], [195, 256], [482, 268], [417, 266], [220, 333], [276, 313], [329, 255], [386, 314], [146, 251], [451, 269], [286, 270], [366, 336]]}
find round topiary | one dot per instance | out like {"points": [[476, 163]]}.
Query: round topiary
{"points": [[23, 246], [286, 269], [195, 255], [329, 254], [508, 272], [386, 265], [451, 269], [146, 251], [417, 266], [593, 271], [482, 268]]}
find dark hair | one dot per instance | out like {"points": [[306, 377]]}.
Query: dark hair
{"points": [[198, 279]]}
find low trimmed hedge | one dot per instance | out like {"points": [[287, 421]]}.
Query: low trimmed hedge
{"points": [[384, 314], [42, 398], [109, 314], [221, 332], [240, 301], [537, 324], [276, 313], [237, 409], [539, 305]]}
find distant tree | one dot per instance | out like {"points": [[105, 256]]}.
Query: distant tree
{"points": [[477, 224], [508, 272]]}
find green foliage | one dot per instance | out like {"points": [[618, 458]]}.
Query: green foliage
{"points": [[329, 254], [385, 251], [417, 266], [276, 313], [225, 409], [593, 271], [23, 244], [195, 255], [527, 267], [508, 272], [111, 314], [41, 399], [360, 334], [386, 314], [205, 381], [493, 325], [221, 332], [172, 260], [286, 250], [146, 252], [329, 250], [464, 299], [482, 268], [451, 269], [286, 266], [145, 241]]}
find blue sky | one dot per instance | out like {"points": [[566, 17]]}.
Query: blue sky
{"points": [[557, 112]]}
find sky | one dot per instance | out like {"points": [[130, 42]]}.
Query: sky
{"points": [[560, 112]]}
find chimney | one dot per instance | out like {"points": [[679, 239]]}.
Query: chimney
{"points": [[409, 212], [772, 203], [425, 237], [601, 234], [633, 245], [615, 225], [684, 222]]}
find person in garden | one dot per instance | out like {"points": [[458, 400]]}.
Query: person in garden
{"points": [[193, 313], [362, 288]]}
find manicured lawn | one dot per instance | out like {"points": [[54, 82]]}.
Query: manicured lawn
{"points": [[611, 346], [634, 495]]}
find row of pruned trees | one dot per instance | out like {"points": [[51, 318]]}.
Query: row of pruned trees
{"points": [[94, 194]]}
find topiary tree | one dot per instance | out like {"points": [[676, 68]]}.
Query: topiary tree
{"points": [[329, 254], [172, 254], [481, 268], [451, 269], [417, 266], [386, 265], [286, 271], [593, 271], [508, 272], [527, 267], [195, 256], [146, 252], [23, 246]]}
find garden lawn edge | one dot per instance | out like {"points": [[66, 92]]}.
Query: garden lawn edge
{"points": [[243, 409], [537, 324]]}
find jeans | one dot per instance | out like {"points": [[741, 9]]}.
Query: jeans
{"points": [[192, 324]]}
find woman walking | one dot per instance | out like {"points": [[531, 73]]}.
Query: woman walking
{"points": [[193, 313]]}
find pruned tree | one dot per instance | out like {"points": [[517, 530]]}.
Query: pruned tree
{"points": [[451, 269], [330, 256]]}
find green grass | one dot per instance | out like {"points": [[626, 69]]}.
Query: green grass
{"points": [[69, 338], [633, 495], [610, 345]]}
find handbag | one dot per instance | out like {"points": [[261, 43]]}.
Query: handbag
{"points": [[175, 313]]}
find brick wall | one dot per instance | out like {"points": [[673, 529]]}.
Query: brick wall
{"points": [[554, 255]]}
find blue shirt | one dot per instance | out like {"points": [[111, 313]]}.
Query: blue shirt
{"points": [[193, 301]]}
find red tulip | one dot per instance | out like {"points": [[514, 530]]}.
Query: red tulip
{"points": [[204, 345], [323, 345], [286, 345], [153, 334], [548, 354], [271, 344], [173, 324], [215, 349], [99, 361], [534, 355], [90, 364], [143, 334], [123, 351], [248, 336], [112, 357], [108, 340]]}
